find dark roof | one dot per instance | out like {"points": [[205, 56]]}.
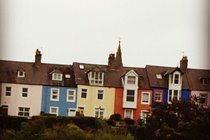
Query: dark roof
{"points": [[112, 77], [152, 71], [35, 75], [195, 76]]}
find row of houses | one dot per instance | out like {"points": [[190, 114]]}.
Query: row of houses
{"points": [[34, 88]]}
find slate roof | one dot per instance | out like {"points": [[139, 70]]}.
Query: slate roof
{"points": [[195, 76], [152, 71], [112, 77], [35, 75]]}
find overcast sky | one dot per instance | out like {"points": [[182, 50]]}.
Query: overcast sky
{"points": [[152, 32]]}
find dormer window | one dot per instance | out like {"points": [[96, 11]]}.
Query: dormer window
{"points": [[205, 81], [57, 76], [96, 78], [21, 74], [175, 78], [131, 80]]}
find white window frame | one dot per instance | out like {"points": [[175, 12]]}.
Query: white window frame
{"points": [[81, 110], [70, 112], [172, 95], [144, 114], [74, 95], [206, 98], [57, 77], [51, 94], [174, 78], [96, 78], [54, 107], [21, 74], [8, 91], [160, 94], [24, 112], [130, 95], [142, 101], [100, 91], [23, 92], [125, 113], [131, 80], [99, 112], [81, 92]]}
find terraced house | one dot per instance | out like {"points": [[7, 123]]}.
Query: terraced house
{"points": [[34, 88]]}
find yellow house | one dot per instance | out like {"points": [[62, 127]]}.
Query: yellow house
{"points": [[95, 96]]}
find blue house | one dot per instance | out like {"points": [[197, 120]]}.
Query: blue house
{"points": [[59, 92], [168, 83]]}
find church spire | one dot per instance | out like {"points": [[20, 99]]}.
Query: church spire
{"points": [[119, 56]]}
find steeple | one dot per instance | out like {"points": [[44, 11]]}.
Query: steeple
{"points": [[119, 56]]}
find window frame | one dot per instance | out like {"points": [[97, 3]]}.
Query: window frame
{"points": [[8, 92], [99, 112], [131, 80], [84, 92], [25, 92], [21, 74], [51, 94], [160, 96], [171, 95], [74, 95], [100, 92], [142, 99], [176, 78], [57, 76], [24, 111], [96, 78], [57, 110], [131, 113], [69, 112], [130, 96]]}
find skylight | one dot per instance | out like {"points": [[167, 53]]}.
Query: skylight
{"points": [[158, 76]]}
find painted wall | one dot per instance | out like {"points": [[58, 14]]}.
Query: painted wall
{"points": [[91, 102], [33, 101], [62, 103]]}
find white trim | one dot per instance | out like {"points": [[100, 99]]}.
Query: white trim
{"points": [[21, 74], [25, 92], [102, 94], [57, 110], [148, 102], [23, 111], [74, 95], [57, 76], [81, 93], [51, 94], [125, 115], [5, 91], [100, 109], [69, 111]]}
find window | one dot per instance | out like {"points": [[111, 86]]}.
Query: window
{"points": [[83, 93], [54, 94], [100, 94], [24, 92], [8, 91], [173, 95], [71, 112], [70, 95], [96, 78], [144, 115], [99, 113], [21, 74], [23, 111], [128, 113], [203, 99], [158, 76], [131, 80], [81, 110], [205, 81], [57, 76], [145, 98], [130, 95], [158, 96], [176, 78], [67, 76], [54, 110]]}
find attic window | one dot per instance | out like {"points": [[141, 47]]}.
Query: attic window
{"points": [[21, 74], [205, 81], [57, 76], [158, 76], [81, 67], [96, 78], [68, 76]]}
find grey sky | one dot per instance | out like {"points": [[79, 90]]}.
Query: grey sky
{"points": [[152, 32]]}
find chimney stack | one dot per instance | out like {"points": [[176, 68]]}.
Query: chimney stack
{"points": [[38, 57], [183, 64]]}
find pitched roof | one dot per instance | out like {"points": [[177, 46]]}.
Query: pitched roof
{"points": [[112, 77], [152, 72], [34, 75], [195, 76]]}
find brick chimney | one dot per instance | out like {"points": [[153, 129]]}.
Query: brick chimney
{"points": [[183, 64], [38, 58], [111, 61]]}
